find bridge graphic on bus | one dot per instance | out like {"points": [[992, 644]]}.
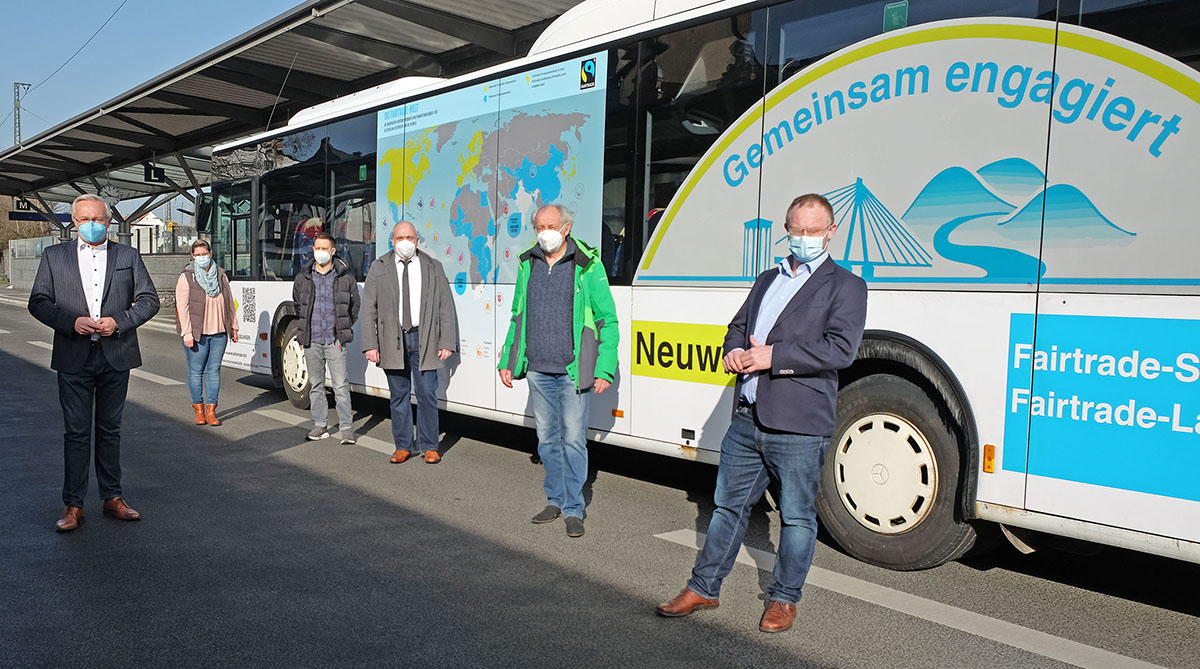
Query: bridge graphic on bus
{"points": [[874, 236], [993, 218]]}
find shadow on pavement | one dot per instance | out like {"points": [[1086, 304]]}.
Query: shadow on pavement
{"points": [[244, 559]]}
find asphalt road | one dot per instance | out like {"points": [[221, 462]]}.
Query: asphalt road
{"points": [[258, 548]]}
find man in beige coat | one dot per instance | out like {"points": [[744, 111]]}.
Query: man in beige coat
{"points": [[409, 329]]}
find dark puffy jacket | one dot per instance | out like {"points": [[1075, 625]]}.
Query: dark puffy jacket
{"points": [[345, 302]]}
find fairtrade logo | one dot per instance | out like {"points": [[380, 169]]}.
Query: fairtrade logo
{"points": [[587, 74]]}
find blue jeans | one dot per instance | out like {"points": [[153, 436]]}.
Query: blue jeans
{"points": [[750, 457], [400, 384], [204, 367], [561, 415]]}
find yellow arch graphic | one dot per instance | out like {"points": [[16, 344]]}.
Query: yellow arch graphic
{"points": [[1116, 53]]}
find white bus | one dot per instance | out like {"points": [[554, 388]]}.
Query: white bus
{"points": [[1015, 179]]}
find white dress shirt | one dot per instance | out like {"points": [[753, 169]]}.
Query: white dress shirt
{"points": [[414, 288], [93, 264]]}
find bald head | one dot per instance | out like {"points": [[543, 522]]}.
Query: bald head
{"points": [[404, 239], [404, 230]]}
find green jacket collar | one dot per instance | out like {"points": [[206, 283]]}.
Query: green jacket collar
{"points": [[583, 254]]}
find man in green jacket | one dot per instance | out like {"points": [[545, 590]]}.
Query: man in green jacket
{"points": [[563, 338]]}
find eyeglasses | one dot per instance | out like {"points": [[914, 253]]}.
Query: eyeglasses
{"points": [[101, 221], [818, 232]]}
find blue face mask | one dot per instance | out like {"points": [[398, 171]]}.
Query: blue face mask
{"points": [[93, 232], [806, 249], [202, 262]]}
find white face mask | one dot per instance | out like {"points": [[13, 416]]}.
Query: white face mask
{"points": [[406, 248], [322, 257], [550, 240]]}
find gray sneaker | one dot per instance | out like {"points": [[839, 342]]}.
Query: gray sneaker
{"points": [[574, 527], [547, 514], [348, 437], [319, 432]]}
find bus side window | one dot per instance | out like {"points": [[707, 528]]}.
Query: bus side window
{"points": [[292, 204], [694, 83], [801, 32], [350, 167], [617, 226]]}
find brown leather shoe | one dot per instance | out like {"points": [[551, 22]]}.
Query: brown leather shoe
{"points": [[117, 508], [432, 457], [399, 456], [778, 617], [72, 517], [199, 413], [684, 603], [210, 414]]}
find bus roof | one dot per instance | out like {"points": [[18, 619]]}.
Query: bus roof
{"points": [[589, 24]]}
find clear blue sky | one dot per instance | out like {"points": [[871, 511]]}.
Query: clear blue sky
{"points": [[144, 39]]}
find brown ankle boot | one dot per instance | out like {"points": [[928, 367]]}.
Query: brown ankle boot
{"points": [[210, 414], [199, 413]]}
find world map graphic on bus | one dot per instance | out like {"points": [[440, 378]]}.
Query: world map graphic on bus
{"points": [[470, 180]]}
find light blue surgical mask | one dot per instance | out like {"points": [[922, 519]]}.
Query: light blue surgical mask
{"points": [[806, 249], [93, 232], [202, 262]]}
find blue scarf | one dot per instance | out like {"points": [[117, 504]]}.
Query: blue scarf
{"points": [[208, 280]]}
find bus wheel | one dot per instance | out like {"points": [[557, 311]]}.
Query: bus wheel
{"points": [[293, 366], [891, 475]]}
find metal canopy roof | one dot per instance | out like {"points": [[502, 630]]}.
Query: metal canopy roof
{"points": [[331, 47]]}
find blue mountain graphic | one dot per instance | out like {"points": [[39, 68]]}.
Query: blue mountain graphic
{"points": [[1013, 178], [1069, 214], [955, 192]]}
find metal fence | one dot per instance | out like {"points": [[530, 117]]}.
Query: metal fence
{"points": [[158, 239], [31, 247]]}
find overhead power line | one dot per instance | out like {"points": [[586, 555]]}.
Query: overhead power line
{"points": [[81, 48], [65, 63]]}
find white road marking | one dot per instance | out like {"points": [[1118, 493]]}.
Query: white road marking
{"points": [[155, 378], [282, 416], [1046, 645], [372, 443], [5, 332]]}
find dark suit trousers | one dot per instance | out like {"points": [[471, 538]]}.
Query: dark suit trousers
{"points": [[103, 387]]}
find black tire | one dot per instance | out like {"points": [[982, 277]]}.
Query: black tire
{"points": [[295, 379], [927, 533]]}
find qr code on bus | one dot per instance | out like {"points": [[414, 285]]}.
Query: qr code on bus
{"points": [[248, 306]]}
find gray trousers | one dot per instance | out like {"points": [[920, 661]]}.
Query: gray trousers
{"points": [[331, 359]]}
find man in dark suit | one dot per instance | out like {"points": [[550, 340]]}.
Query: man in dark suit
{"points": [[94, 293], [801, 323]]}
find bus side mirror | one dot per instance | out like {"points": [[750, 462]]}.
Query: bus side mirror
{"points": [[204, 214]]}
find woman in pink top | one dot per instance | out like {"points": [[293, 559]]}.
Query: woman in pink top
{"points": [[206, 320]]}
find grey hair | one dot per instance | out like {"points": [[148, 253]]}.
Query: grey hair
{"points": [[88, 197], [564, 214]]}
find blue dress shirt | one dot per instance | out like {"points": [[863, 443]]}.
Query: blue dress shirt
{"points": [[779, 293]]}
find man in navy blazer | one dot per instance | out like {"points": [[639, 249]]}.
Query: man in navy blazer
{"points": [[801, 323], [94, 293]]}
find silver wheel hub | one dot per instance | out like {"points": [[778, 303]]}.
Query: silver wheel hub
{"points": [[295, 370], [885, 473]]}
